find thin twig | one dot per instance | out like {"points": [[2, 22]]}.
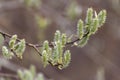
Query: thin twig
{"points": [[12, 76], [40, 45]]}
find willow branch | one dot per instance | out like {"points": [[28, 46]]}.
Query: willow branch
{"points": [[12, 76], [36, 46]]}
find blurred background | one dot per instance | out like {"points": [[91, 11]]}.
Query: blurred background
{"points": [[37, 21]]}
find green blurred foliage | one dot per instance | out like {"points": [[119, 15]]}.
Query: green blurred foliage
{"points": [[73, 10], [30, 74], [1, 40], [32, 3]]}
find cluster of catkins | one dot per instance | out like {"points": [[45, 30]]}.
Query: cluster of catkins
{"points": [[56, 54]]}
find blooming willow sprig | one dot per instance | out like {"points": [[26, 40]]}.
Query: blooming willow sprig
{"points": [[92, 23], [14, 48], [54, 53]]}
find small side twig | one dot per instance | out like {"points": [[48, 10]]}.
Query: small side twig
{"points": [[12, 76]]}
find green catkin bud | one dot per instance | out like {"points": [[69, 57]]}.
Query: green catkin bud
{"points": [[45, 58], [5, 50], [16, 47], [80, 30], [67, 58], [59, 51], [20, 48], [47, 49], [50, 53], [6, 53], [102, 17], [89, 16], [55, 56], [46, 46], [57, 36], [23, 45], [12, 41], [95, 26], [64, 39], [83, 41]]}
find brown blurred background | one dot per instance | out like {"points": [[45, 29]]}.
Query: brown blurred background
{"points": [[98, 60]]}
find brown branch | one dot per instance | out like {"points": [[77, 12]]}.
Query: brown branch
{"points": [[35, 46], [12, 76]]}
